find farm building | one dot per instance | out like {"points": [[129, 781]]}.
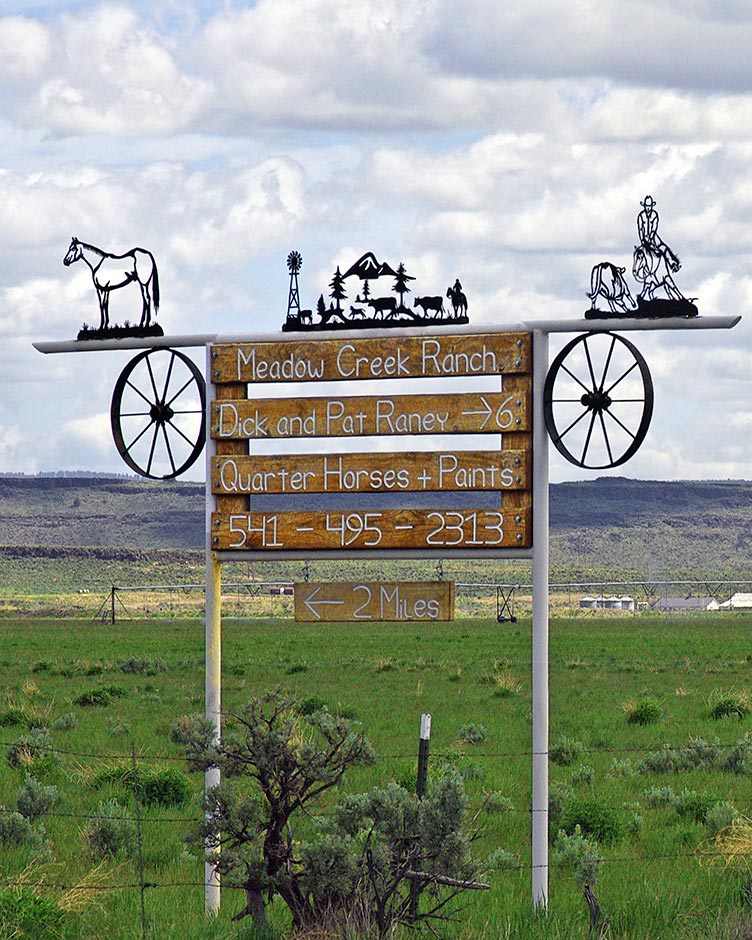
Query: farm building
{"points": [[686, 603], [739, 601], [607, 603]]}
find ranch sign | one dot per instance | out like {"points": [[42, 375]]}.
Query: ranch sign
{"points": [[501, 519]]}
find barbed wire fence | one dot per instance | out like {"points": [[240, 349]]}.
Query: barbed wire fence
{"points": [[704, 852]]}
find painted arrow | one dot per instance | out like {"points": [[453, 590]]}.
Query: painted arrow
{"points": [[313, 605], [487, 412]]}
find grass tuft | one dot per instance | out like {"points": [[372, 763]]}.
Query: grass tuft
{"points": [[644, 712], [731, 704]]}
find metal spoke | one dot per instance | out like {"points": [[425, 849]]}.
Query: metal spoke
{"points": [[139, 436], [178, 394], [177, 430], [169, 449], [573, 424], [587, 439], [153, 448], [590, 364], [605, 437], [608, 361], [167, 377], [575, 377], [153, 380], [621, 424], [628, 401], [138, 392], [623, 376]]}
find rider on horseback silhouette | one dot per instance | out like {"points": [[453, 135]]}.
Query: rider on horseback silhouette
{"points": [[647, 227], [654, 262]]}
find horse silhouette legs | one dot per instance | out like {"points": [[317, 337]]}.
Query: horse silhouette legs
{"points": [[146, 308], [103, 295]]}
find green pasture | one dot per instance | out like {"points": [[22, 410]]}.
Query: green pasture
{"points": [[105, 692]]}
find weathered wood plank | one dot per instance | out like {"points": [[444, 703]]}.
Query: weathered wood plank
{"points": [[382, 601], [381, 529], [363, 415], [421, 471], [239, 502], [309, 360]]}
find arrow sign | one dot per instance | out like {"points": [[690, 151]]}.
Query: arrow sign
{"points": [[313, 605], [485, 413], [378, 601]]}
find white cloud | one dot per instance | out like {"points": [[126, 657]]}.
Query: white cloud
{"points": [[24, 48], [15, 447], [634, 41], [110, 74], [629, 70], [35, 306], [88, 437], [249, 210]]}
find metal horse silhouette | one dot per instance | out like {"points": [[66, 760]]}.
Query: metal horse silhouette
{"points": [[110, 272]]}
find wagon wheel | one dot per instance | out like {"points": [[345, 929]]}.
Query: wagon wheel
{"points": [[598, 400], [157, 413]]}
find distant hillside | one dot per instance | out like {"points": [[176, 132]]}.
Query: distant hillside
{"points": [[618, 501], [645, 528], [101, 512], [653, 529]]}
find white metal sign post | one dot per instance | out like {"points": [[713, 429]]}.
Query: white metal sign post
{"points": [[518, 529], [539, 802]]}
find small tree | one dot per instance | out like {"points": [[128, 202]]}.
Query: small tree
{"points": [[337, 285], [354, 867], [400, 284], [292, 760]]}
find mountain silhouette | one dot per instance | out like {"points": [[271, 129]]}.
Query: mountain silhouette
{"points": [[368, 267]]}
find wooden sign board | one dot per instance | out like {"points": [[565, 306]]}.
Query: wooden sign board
{"points": [[323, 602], [403, 357], [333, 531], [242, 524], [465, 413], [428, 471]]}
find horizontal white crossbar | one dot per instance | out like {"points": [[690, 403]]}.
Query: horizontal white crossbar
{"points": [[581, 325]]}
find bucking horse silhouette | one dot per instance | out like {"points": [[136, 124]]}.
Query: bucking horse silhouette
{"points": [[110, 272]]}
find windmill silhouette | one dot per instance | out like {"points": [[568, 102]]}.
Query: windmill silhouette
{"points": [[294, 263]]}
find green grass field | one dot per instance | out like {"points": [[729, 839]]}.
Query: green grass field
{"points": [[660, 877]]}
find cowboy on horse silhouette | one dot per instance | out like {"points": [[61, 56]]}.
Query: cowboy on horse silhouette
{"points": [[654, 262]]}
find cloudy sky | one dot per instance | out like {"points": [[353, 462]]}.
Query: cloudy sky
{"points": [[506, 144]]}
